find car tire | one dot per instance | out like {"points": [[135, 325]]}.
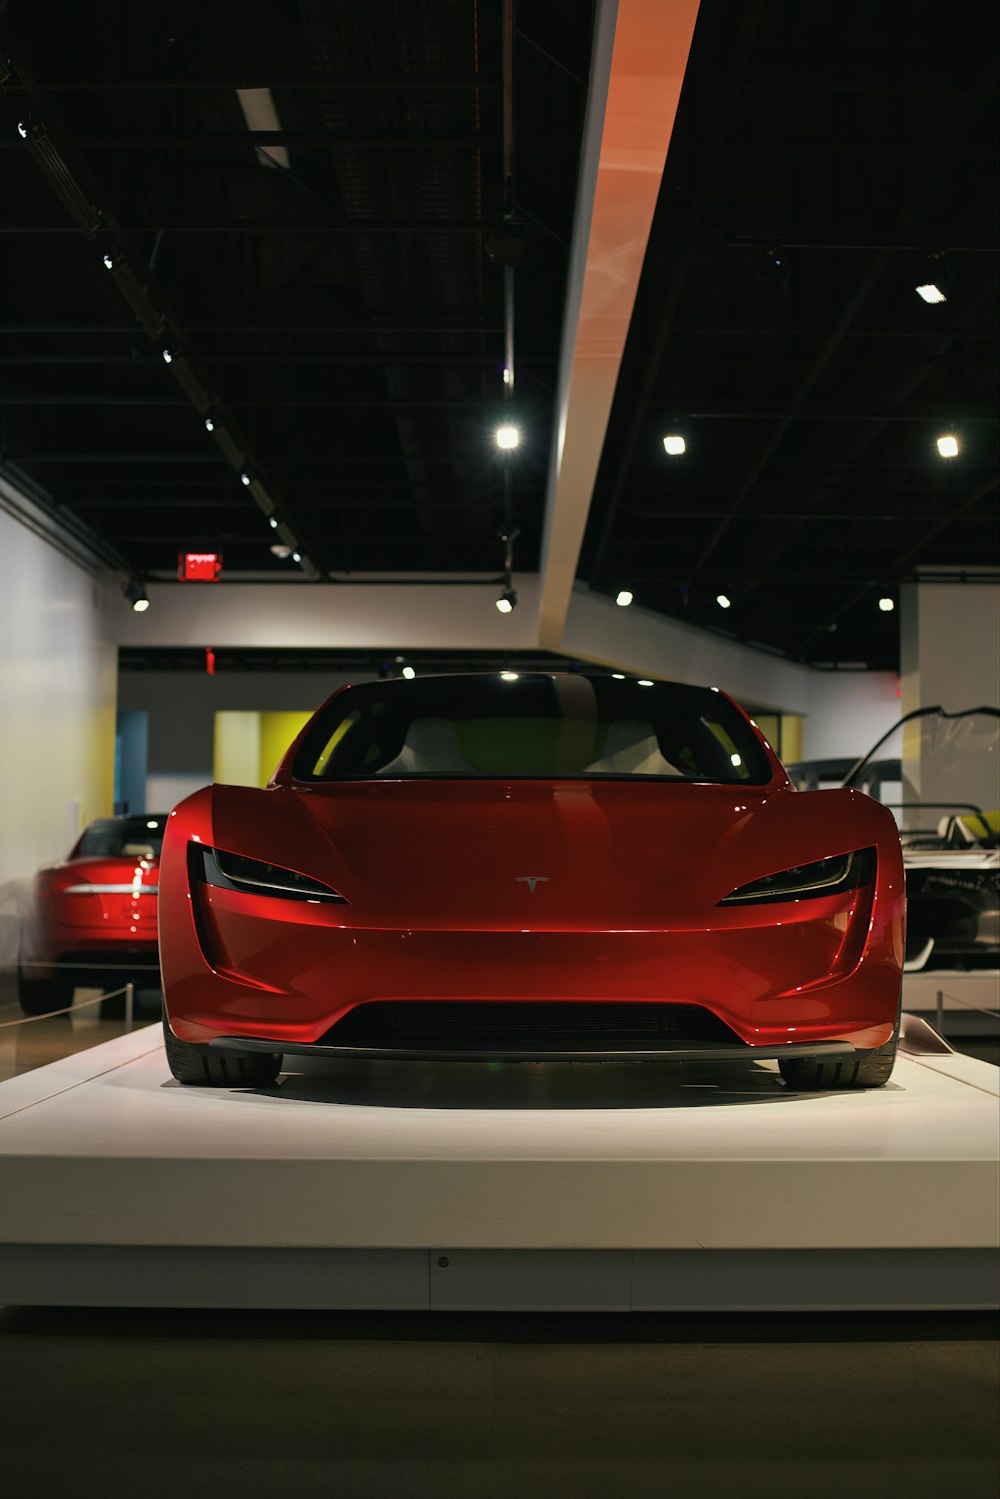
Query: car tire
{"points": [[37, 996], [866, 1069], [248, 1069]]}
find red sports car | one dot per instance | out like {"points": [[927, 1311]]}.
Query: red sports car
{"points": [[93, 915], [531, 866]]}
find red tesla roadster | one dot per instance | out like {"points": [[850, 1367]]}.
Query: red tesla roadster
{"points": [[92, 918], [531, 866]]}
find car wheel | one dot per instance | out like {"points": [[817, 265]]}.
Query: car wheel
{"points": [[37, 996], [866, 1069], [249, 1069]]}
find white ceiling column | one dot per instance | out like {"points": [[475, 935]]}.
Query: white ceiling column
{"points": [[640, 54]]}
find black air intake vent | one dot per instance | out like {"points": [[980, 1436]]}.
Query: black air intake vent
{"points": [[479, 1027]]}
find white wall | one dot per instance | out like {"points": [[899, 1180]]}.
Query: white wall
{"points": [[57, 705], [376, 616], [848, 712], [950, 645]]}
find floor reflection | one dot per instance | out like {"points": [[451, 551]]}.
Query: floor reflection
{"points": [[38, 1042], [527, 1085]]}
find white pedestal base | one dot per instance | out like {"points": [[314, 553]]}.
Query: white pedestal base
{"points": [[475, 1186]]}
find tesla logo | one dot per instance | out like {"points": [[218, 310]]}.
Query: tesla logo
{"points": [[531, 880]]}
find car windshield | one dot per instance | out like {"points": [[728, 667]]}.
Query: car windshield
{"points": [[938, 773], [123, 837], [516, 725]]}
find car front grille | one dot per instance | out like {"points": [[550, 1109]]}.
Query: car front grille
{"points": [[481, 1026]]}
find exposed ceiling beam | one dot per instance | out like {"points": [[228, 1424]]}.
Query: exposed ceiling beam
{"points": [[938, 162], [900, 563]]}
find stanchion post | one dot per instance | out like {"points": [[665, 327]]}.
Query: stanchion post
{"points": [[940, 1012], [129, 1001]]}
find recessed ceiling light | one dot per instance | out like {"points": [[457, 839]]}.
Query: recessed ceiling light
{"points": [[167, 356], [674, 444], [409, 673], [246, 478], [619, 676], [509, 676], [645, 682], [624, 599], [947, 445], [723, 601], [887, 605], [930, 292], [507, 437]]}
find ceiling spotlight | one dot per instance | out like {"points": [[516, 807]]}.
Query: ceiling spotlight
{"points": [[167, 356], [723, 601], [296, 556], [674, 444], [210, 424], [136, 595], [947, 445], [770, 262], [109, 260], [22, 130], [281, 551], [624, 599], [887, 605], [409, 673], [507, 600], [509, 676], [272, 521], [932, 282], [246, 478], [507, 437], [507, 374]]}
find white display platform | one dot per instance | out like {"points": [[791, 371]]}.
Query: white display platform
{"points": [[485, 1185]]}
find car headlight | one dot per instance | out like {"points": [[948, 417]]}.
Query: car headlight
{"points": [[807, 881], [254, 877]]}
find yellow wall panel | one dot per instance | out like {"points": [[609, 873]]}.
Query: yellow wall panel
{"points": [[236, 760], [277, 730]]}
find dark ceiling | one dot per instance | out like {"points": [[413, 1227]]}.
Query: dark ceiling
{"points": [[341, 321]]}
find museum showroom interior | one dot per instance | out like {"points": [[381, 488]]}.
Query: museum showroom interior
{"points": [[567, 1061]]}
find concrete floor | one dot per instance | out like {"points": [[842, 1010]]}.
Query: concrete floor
{"points": [[122, 1403], [190, 1404]]}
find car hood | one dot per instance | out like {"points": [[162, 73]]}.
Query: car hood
{"points": [[538, 854]]}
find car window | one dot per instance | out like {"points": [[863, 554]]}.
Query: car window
{"points": [[123, 837], [532, 725]]}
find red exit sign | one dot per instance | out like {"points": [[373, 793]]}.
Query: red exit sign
{"points": [[199, 567]]}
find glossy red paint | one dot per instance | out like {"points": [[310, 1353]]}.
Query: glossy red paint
{"points": [[626, 905], [89, 910]]}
